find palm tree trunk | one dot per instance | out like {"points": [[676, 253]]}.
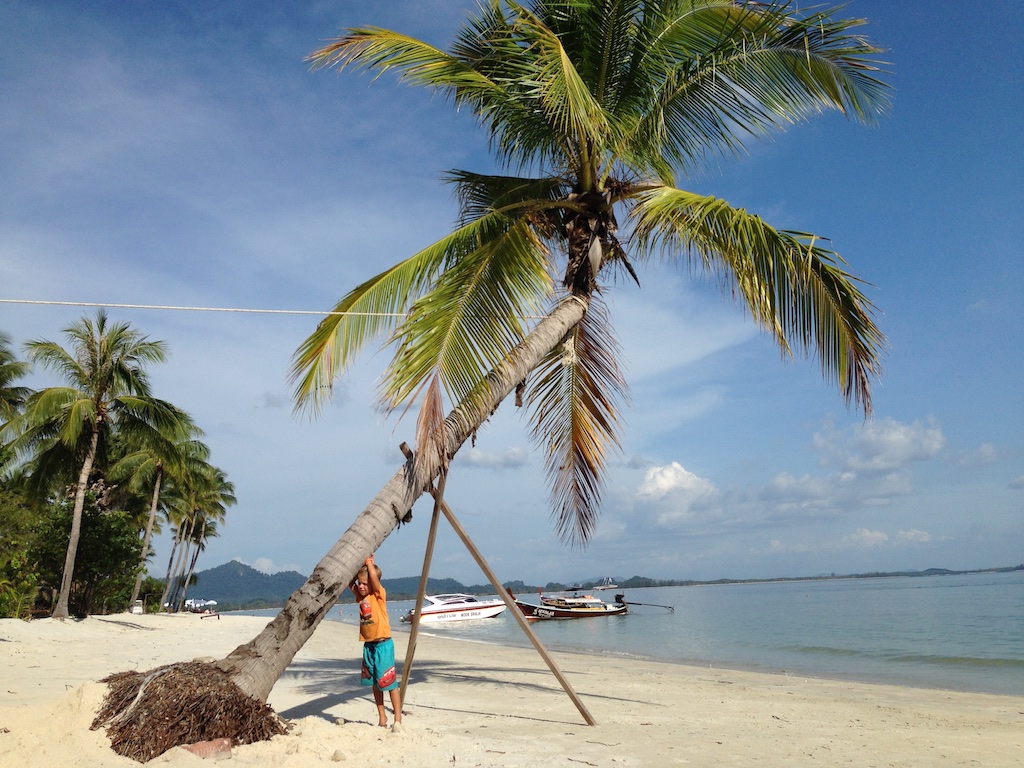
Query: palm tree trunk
{"points": [[192, 564], [179, 568], [170, 563], [60, 611], [256, 666], [181, 547], [147, 537]]}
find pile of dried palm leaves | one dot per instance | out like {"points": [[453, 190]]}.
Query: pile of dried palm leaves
{"points": [[147, 713]]}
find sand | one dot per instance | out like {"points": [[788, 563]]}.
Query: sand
{"points": [[471, 704]]}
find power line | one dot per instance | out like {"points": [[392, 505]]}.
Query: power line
{"points": [[244, 310], [108, 305]]}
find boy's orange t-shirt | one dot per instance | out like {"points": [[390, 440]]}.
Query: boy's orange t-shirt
{"points": [[373, 617]]}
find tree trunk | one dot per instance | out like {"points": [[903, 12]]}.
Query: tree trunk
{"points": [[174, 581], [170, 564], [147, 537], [60, 611], [192, 565], [256, 666]]}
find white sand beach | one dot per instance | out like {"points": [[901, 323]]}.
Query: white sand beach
{"points": [[471, 704]]}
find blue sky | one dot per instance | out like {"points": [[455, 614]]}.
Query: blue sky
{"points": [[182, 154]]}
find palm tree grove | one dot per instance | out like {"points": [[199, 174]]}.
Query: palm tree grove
{"points": [[597, 112], [91, 467]]}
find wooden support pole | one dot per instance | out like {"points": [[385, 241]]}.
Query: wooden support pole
{"points": [[516, 613], [414, 631]]}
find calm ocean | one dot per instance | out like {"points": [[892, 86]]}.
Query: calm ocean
{"points": [[961, 633]]}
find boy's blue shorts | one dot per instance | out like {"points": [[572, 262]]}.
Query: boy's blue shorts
{"points": [[379, 665]]}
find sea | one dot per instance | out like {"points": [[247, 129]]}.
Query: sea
{"points": [[961, 632]]}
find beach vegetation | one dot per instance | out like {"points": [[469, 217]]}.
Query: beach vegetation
{"points": [[18, 578], [147, 462], [197, 500], [12, 394], [109, 548], [595, 109], [63, 435]]}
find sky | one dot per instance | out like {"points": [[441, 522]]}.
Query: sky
{"points": [[183, 154]]}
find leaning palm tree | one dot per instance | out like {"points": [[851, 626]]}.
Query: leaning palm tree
{"points": [[107, 389], [602, 105], [594, 108]]}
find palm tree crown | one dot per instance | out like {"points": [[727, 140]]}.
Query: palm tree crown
{"points": [[12, 397], [596, 107]]}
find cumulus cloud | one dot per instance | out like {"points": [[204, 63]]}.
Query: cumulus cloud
{"points": [[268, 566], [880, 446], [913, 536], [983, 454], [863, 537], [675, 493], [1018, 484], [507, 459]]}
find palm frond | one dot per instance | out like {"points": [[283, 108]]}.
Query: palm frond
{"points": [[373, 308], [566, 100], [472, 316], [573, 405], [537, 199], [718, 73], [792, 286]]}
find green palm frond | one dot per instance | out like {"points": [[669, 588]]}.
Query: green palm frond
{"points": [[720, 73], [573, 405], [792, 285], [375, 307], [476, 75], [470, 319], [567, 102]]}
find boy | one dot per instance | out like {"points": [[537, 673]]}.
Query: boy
{"points": [[378, 648]]}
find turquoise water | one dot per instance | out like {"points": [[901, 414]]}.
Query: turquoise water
{"points": [[951, 632]]}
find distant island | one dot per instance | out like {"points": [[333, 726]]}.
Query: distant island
{"points": [[237, 586]]}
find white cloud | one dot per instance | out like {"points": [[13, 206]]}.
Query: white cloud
{"points": [[675, 492], [984, 454], [516, 456], [864, 537], [880, 446], [268, 566], [1018, 484], [913, 536]]}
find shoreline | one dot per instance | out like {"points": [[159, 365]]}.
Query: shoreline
{"points": [[865, 678], [493, 705]]}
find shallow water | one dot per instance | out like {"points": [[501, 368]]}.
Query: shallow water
{"points": [[963, 632]]}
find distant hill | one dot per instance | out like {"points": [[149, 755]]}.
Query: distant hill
{"points": [[236, 585]]}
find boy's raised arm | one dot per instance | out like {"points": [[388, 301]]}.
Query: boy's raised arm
{"points": [[371, 575]]}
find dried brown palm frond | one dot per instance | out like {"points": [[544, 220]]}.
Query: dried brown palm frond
{"points": [[147, 713], [574, 396]]}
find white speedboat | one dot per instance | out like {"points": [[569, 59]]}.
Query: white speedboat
{"points": [[456, 607]]}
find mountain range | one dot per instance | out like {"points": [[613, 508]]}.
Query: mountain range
{"points": [[237, 586]]}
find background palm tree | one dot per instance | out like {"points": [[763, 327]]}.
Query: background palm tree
{"points": [[145, 465], [12, 397], [599, 105], [197, 500], [64, 430]]}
